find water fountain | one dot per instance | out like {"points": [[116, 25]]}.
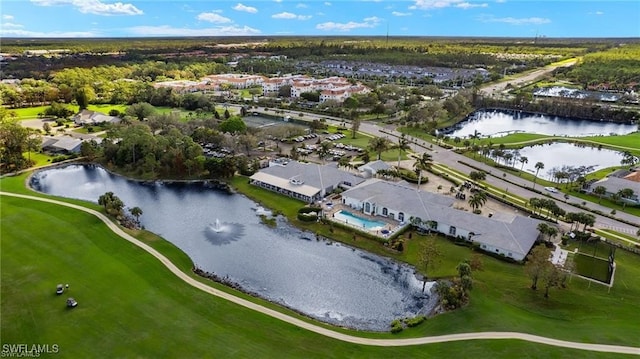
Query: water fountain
{"points": [[216, 227], [222, 232]]}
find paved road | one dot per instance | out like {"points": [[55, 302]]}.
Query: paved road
{"points": [[328, 332], [522, 80], [451, 158]]}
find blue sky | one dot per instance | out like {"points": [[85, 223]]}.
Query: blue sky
{"points": [[501, 18]]}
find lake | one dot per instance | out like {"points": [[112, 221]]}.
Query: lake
{"points": [[500, 123], [223, 233]]}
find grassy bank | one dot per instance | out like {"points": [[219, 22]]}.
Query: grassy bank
{"points": [[502, 299]]}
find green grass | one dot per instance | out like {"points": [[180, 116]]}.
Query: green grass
{"points": [[592, 267], [32, 112], [121, 291], [502, 288], [362, 141]]}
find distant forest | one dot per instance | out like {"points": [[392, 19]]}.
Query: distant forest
{"points": [[494, 54]]}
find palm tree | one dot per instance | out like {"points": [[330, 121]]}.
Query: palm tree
{"points": [[325, 146], [538, 166], [378, 145], [136, 212], [600, 191], [628, 159], [422, 163], [475, 136], [477, 200], [523, 160], [625, 194], [401, 146]]}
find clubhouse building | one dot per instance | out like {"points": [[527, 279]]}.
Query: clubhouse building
{"points": [[509, 235], [308, 182], [503, 234]]}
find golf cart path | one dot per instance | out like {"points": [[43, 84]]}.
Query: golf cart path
{"points": [[328, 332]]}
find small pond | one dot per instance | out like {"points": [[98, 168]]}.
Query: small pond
{"points": [[558, 154], [223, 233], [500, 123]]}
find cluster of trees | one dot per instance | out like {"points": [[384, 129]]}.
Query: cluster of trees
{"points": [[552, 208], [454, 293], [429, 114], [15, 141], [615, 69], [539, 269], [114, 207]]}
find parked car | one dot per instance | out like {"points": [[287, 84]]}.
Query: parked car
{"points": [[71, 303], [59, 289]]}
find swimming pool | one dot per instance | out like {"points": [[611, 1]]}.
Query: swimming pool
{"points": [[358, 221]]}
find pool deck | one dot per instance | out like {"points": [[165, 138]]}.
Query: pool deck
{"points": [[390, 225]]}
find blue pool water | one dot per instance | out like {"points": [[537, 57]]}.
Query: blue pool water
{"points": [[357, 221]]}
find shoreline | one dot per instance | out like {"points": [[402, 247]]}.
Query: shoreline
{"points": [[227, 188]]}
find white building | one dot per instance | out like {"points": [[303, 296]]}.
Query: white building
{"points": [[88, 117], [508, 235], [308, 182]]}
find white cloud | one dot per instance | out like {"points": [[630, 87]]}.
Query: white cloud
{"points": [[326, 3], [96, 7], [27, 33], [599, 13], [10, 24], [301, 6], [213, 17], [336, 26], [515, 21], [166, 30], [290, 16], [249, 9], [398, 13], [441, 4], [501, 1], [468, 5], [7, 17]]}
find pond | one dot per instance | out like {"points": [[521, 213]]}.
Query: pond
{"points": [[558, 154], [500, 123], [223, 233]]}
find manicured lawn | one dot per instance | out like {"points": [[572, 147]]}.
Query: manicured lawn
{"points": [[362, 141], [32, 112], [131, 306]]}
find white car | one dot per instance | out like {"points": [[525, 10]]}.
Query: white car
{"points": [[551, 189]]}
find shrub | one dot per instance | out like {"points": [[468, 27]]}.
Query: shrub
{"points": [[396, 326], [415, 321]]}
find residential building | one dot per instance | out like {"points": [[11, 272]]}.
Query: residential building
{"points": [[614, 184], [88, 117], [61, 144]]}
